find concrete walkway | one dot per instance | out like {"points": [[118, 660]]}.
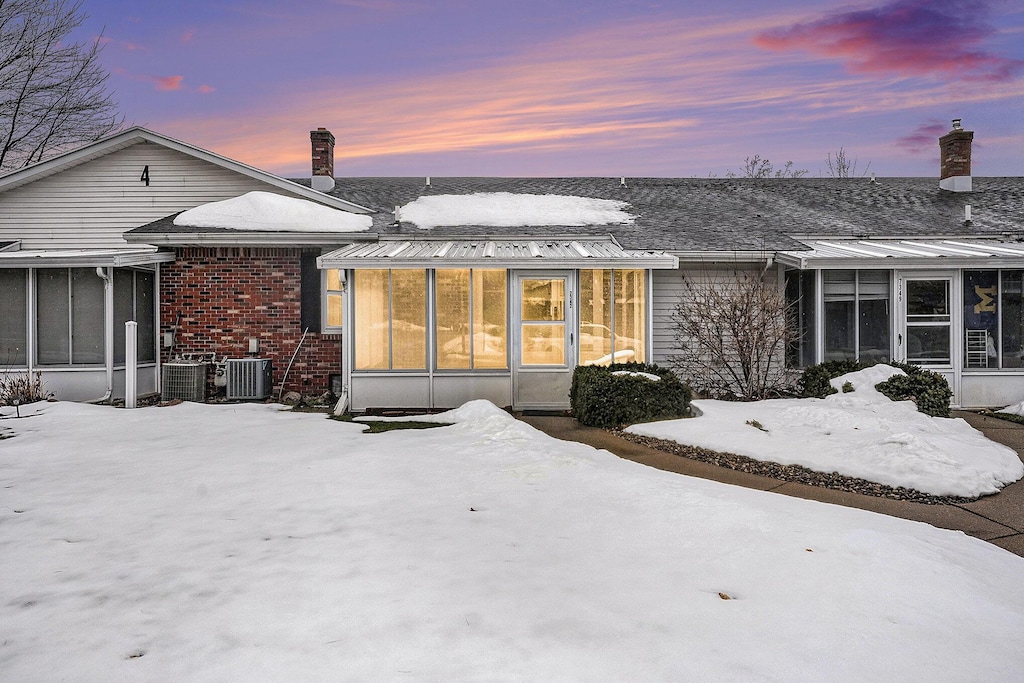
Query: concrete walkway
{"points": [[998, 519]]}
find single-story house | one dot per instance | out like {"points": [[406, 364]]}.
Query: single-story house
{"points": [[426, 292]]}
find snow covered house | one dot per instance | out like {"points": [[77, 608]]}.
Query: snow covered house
{"points": [[426, 292]]}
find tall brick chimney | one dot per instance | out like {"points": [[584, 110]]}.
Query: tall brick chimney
{"points": [[323, 159], [955, 161]]}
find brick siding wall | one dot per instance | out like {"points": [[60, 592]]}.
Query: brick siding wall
{"points": [[226, 295]]}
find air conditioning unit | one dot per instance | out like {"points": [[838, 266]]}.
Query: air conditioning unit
{"points": [[184, 380], [249, 378]]}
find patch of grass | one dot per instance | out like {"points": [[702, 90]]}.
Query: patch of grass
{"points": [[378, 426], [1009, 417]]}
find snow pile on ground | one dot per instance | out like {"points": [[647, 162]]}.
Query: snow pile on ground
{"points": [[272, 212], [1015, 409], [860, 434], [247, 543], [506, 209]]}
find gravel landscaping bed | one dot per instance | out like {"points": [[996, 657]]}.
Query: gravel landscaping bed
{"points": [[796, 473]]}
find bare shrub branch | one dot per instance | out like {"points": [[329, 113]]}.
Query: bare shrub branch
{"points": [[757, 167], [731, 335], [841, 166]]}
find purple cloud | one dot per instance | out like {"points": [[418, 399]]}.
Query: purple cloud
{"points": [[905, 37], [925, 137]]}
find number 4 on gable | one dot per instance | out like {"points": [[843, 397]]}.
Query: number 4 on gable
{"points": [[145, 176]]}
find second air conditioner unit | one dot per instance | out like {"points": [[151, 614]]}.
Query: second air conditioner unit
{"points": [[249, 378]]}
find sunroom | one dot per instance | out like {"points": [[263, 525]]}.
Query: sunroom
{"points": [[63, 315], [434, 323], [955, 306]]}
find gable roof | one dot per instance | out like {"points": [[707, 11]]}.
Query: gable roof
{"points": [[701, 216], [136, 135]]}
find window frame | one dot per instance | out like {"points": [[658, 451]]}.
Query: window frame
{"points": [[472, 321]]}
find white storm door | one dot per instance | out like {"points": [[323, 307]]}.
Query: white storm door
{"points": [[544, 329]]}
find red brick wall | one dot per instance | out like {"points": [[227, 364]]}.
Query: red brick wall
{"points": [[227, 295], [955, 152]]}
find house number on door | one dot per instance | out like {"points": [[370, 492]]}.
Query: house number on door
{"points": [[145, 176]]}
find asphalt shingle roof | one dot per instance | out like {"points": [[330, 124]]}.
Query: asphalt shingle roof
{"points": [[712, 214]]}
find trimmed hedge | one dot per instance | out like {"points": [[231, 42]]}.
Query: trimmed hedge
{"points": [[813, 383], [601, 399], [929, 390]]}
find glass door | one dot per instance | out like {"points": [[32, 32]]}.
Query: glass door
{"points": [[544, 339], [926, 337]]}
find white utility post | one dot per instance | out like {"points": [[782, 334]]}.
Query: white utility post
{"points": [[131, 363]]}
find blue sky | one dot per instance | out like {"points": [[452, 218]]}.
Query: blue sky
{"points": [[556, 88]]}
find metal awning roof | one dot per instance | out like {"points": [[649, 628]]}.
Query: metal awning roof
{"points": [[965, 252], [488, 253], [84, 258]]}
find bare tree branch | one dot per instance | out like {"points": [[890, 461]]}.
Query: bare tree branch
{"points": [[731, 332], [53, 93], [757, 167], [841, 166]]}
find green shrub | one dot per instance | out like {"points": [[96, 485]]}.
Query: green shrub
{"points": [[814, 382], [929, 390], [601, 399]]}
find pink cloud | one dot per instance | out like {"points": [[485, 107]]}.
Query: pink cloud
{"points": [[904, 37], [167, 82], [188, 35], [924, 137], [205, 89]]}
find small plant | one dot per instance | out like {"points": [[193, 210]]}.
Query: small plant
{"points": [[848, 387], [757, 425], [814, 382], [600, 398], [21, 388], [929, 390]]}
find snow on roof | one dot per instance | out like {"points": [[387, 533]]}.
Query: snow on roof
{"points": [[507, 209], [272, 212]]}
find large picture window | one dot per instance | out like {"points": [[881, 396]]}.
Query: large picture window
{"points": [[391, 316], [471, 326], [993, 318], [70, 317], [858, 317], [612, 316], [13, 318]]}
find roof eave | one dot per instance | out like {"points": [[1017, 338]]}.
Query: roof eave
{"points": [[248, 239]]}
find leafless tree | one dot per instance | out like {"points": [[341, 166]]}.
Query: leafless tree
{"points": [[841, 166], [731, 331], [53, 92], [757, 167]]}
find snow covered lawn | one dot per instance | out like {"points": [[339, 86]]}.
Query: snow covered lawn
{"points": [[247, 543], [860, 434]]}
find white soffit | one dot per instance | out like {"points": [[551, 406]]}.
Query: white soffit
{"points": [[932, 253], [483, 253], [82, 258]]}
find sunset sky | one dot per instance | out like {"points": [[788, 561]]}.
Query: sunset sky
{"points": [[572, 87]]}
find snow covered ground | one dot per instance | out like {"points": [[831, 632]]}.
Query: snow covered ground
{"points": [[248, 543], [860, 434]]}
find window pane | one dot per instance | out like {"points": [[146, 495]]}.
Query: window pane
{"points": [[543, 299], [874, 330], [13, 310], [544, 344], [839, 330], [86, 316], [630, 325], [800, 299], [334, 317], [595, 317], [373, 346], [928, 299], [124, 309], [334, 280], [53, 343], [145, 315], [490, 307], [409, 319], [839, 285], [928, 343], [1012, 312], [453, 320]]}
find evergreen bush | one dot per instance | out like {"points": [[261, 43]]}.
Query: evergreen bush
{"points": [[814, 382], [929, 390], [601, 399]]}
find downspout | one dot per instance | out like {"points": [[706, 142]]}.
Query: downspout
{"points": [[108, 332]]}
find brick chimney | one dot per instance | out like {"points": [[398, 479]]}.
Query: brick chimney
{"points": [[323, 159], [955, 161]]}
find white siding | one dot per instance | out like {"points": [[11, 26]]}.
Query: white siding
{"points": [[92, 204], [667, 287]]}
